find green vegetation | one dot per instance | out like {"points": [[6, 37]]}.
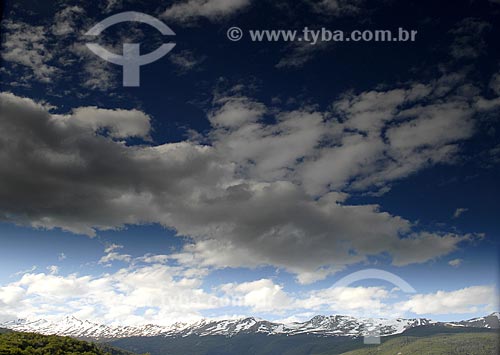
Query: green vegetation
{"points": [[424, 341], [243, 344], [441, 344], [15, 343]]}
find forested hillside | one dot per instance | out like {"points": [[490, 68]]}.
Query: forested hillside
{"points": [[16, 343], [443, 344]]}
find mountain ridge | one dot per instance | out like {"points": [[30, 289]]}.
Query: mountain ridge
{"points": [[334, 325]]}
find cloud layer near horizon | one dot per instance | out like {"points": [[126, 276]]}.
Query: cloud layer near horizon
{"points": [[149, 291]]}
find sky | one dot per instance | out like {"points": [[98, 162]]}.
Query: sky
{"points": [[275, 179]]}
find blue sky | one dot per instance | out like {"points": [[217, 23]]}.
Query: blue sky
{"points": [[248, 178]]}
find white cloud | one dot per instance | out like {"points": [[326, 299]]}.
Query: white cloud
{"points": [[11, 295], [112, 247], [119, 123], [27, 46], [386, 141], [66, 19], [161, 294], [51, 287], [455, 262], [459, 211], [22, 272], [55, 52], [53, 269], [434, 125], [261, 296], [266, 296], [189, 11], [110, 298], [115, 257], [235, 112], [348, 300], [467, 300]]}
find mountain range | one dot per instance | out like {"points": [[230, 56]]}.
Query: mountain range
{"points": [[324, 326]]}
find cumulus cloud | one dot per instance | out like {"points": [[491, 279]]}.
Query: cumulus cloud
{"points": [[163, 294], [145, 293], [348, 300], [467, 300], [261, 295], [233, 112], [266, 296], [190, 11], [387, 140], [120, 123]]}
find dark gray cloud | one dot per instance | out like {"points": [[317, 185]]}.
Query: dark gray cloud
{"points": [[56, 171]]}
